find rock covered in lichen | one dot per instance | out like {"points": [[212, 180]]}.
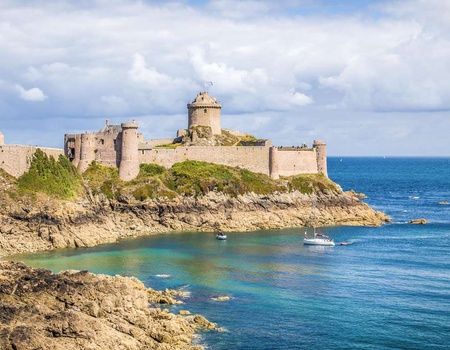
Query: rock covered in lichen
{"points": [[80, 310]]}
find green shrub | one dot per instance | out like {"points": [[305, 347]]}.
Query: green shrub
{"points": [[58, 179], [308, 183], [150, 170], [103, 179]]}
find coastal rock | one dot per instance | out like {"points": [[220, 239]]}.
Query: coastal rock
{"points": [[358, 195], [32, 227], [33, 224], [221, 298], [80, 310], [418, 221]]}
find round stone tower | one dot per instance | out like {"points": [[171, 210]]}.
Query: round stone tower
{"points": [[2, 139], [129, 162], [321, 156], [87, 151], [274, 168], [205, 111]]}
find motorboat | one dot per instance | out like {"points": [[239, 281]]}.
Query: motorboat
{"points": [[221, 236]]}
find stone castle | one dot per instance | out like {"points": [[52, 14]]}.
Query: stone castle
{"points": [[124, 147]]}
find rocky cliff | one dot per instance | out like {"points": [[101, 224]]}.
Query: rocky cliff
{"points": [[45, 224], [80, 310]]}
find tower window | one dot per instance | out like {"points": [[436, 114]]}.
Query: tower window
{"points": [[204, 111]]}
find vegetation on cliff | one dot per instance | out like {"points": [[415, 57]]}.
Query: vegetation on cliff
{"points": [[59, 179], [195, 178]]}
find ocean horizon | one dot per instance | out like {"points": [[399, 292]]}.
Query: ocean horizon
{"points": [[389, 288]]}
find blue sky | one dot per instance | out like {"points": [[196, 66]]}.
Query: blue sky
{"points": [[366, 77]]}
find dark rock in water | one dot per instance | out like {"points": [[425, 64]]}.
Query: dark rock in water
{"points": [[418, 221], [80, 310]]}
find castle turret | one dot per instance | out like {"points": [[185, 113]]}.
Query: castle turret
{"points": [[274, 168], [129, 161], [2, 139], [205, 111], [321, 157], [87, 151]]}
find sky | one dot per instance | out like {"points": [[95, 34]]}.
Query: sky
{"points": [[369, 78]]}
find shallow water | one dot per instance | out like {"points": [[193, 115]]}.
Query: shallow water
{"points": [[388, 289]]}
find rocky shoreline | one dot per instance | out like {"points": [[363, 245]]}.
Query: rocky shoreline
{"points": [[49, 224], [80, 310]]}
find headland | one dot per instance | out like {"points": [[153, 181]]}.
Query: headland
{"points": [[110, 185]]}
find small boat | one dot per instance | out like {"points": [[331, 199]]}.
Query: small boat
{"points": [[317, 238], [221, 236]]}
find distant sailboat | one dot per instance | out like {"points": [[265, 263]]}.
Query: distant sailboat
{"points": [[317, 238]]}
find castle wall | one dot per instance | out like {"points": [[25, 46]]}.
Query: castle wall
{"points": [[129, 160], [16, 159], [87, 151], [321, 156], [107, 149], [255, 159], [293, 162], [266, 160]]}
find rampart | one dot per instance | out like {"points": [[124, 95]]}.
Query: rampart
{"points": [[253, 158], [16, 159]]}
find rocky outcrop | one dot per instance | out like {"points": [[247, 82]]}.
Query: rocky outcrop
{"points": [[418, 221], [44, 224], [80, 310]]}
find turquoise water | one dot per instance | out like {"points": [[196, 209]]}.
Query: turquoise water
{"points": [[388, 289]]}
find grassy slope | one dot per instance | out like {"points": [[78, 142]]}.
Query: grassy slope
{"points": [[59, 179]]}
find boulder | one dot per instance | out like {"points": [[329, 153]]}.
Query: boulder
{"points": [[418, 221]]}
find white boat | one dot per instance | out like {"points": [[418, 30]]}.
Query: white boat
{"points": [[317, 238], [221, 237]]}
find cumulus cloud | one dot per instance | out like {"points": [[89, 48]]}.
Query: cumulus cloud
{"points": [[33, 94], [285, 60], [139, 72]]}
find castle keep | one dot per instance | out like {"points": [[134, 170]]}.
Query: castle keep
{"points": [[204, 140]]}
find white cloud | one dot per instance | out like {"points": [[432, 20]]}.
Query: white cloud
{"points": [[132, 58], [300, 99], [33, 94], [139, 72]]}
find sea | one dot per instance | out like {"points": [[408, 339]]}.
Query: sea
{"points": [[389, 288]]}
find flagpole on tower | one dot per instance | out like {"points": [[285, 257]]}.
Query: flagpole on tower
{"points": [[207, 84]]}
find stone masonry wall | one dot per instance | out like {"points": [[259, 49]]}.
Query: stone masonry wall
{"points": [[294, 162], [16, 159], [255, 159]]}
